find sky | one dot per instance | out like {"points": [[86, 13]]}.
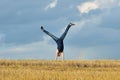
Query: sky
{"points": [[96, 34]]}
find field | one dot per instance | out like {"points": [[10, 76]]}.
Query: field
{"points": [[59, 70]]}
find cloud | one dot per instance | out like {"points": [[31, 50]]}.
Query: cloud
{"points": [[102, 24], [51, 5], [21, 21], [36, 50], [87, 6], [107, 8], [26, 48]]}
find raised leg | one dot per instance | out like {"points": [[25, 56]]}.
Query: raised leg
{"points": [[48, 33], [66, 30]]}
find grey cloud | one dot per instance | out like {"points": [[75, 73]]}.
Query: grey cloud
{"points": [[24, 11], [27, 11], [21, 20]]}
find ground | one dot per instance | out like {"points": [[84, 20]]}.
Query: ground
{"points": [[59, 70]]}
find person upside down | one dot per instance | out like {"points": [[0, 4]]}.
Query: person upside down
{"points": [[59, 41]]}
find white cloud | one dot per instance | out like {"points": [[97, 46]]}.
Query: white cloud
{"points": [[97, 4], [104, 5], [86, 7], [99, 52], [51, 5]]}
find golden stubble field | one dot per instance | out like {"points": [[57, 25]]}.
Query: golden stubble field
{"points": [[59, 70]]}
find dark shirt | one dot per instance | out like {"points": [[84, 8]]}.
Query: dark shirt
{"points": [[60, 45]]}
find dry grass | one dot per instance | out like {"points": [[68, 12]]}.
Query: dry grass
{"points": [[58, 70]]}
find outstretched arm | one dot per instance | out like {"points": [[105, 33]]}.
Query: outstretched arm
{"points": [[48, 33]]}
